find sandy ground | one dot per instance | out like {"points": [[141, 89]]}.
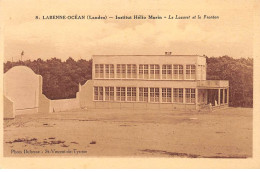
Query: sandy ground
{"points": [[225, 133]]}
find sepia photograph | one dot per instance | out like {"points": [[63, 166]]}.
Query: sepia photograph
{"points": [[142, 79]]}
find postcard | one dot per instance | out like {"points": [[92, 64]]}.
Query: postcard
{"points": [[130, 84]]}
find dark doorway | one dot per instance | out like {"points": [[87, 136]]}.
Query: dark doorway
{"points": [[212, 96]]}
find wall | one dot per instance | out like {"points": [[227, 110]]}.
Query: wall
{"points": [[64, 105], [145, 59], [22, 86], [44, 104], [8, 108]]}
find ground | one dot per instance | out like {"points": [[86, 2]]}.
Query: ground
{"points": [[224, 133]]}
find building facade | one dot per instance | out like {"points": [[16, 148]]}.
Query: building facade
{"points": [[151, 82]]}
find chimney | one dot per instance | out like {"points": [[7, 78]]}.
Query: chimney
{"points": [[168, 53]]}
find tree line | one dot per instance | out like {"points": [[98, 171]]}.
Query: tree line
{"points": [[61, 79]]}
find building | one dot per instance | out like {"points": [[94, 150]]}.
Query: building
{"points": [[152, 82]]}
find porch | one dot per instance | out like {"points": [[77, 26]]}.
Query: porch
{"points": [[212, 94]]}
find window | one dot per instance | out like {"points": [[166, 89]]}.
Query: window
{"points": [[109, 93], [143, 71], [166, 95], [134, 71], [112, 72], [131, 71], [143, 94], [118, 71], [123, 74], [190, 71], [131, 94], [177, 71], [109, 71], [98, 93], [121, 71], [154, 71], [120, 93], [166, 71], [154, 94], [99, 71], [190, 95], [178, 95]]}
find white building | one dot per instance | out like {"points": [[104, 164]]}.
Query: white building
{"points": [[151, 82]]}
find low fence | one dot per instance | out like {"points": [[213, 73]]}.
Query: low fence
{"points": [[64, 105]]}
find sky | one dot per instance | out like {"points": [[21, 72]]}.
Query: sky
{"points": [[231, 34]]}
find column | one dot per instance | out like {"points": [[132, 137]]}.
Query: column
{"points": [[125, 94], [160, 71], [196, 98], [228, 96], [223, 98], [137, 71], [207, 92], [115, 70], [172, 95], [184, 96], [184, 71], [137, 94], [148, 94], [104, 93], [219, 97], [114, 93], [93, 70], [160, 95], [148, 71], [196, 70]]}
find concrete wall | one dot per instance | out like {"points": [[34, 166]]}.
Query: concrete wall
{"points": [[145, 59], [8, 108], [85, 95], [149, 83], [22, 86], [64, 105], [44, 104]]}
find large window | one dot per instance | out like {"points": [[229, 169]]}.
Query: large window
{"points": [[190, 95], [109, 93], [177, 71], [121, 71], [143, 94], [178, 95], [131, 94], [143, 71], [99, 71], [190, 71], [154, 71], [167, 71], [120, 93], [166, 95], [154, 94], [98, 93], [112, 71], [131, 71]]}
